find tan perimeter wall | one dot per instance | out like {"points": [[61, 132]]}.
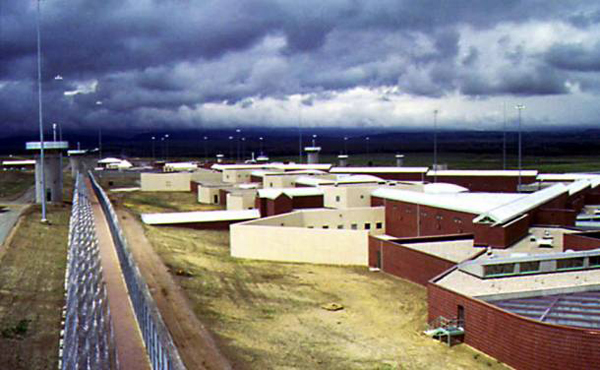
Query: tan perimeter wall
{"points": [[238, 202], [295, 244], [165, 181], [301, 237]]}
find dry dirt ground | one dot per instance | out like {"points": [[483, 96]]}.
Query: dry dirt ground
{"points": [[32, 272], [268, 315]]}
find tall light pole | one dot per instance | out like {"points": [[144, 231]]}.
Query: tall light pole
{"points": [[519, 108], [314, 141], [367, 139], [40, 115], [153, 140], [435, 164], [231, 147], [166, 147], [205, 148], [504, 137], [238, 133], [261, 145], [99, 103], [345, 145]]}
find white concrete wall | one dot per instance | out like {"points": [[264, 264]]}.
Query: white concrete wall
{"points": [[207, 195], [238, 202], [350, 196], [202, 174], [367, 218], [236, 176], [279, 181], [165, 181], [293, 244]]}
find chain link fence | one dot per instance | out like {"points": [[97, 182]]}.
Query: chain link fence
{"points": [[88, 337], [159, 344]]}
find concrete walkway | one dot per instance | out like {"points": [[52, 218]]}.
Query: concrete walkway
{"points": [[14, 209], [131, 351]]}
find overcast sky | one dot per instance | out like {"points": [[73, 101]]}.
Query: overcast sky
{"points": [[192, 64]]}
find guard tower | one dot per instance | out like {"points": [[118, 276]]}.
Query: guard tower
{"points": [[52, 169], [343, 160], [399, 160], [76, 159], [312, 154], [220, 158]]}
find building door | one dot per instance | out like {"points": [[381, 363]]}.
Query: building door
{"points": [[216, 199], [460, 315]]}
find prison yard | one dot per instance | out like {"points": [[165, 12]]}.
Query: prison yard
{"points": [[274, 315]]}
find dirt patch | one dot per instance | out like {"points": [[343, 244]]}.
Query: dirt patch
{"points": [[32, 272]]}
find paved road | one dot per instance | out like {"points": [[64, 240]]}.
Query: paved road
{"points": [[9, 218]]}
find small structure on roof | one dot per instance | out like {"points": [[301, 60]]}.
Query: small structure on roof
{"points": [[312, 154], [201, 219]]}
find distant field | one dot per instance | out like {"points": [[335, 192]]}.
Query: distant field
{"points": [[149, 202], [15, 183], [269, 315], [32, 271]]}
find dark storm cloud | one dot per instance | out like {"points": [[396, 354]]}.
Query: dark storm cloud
{"points": [[151, 59]]}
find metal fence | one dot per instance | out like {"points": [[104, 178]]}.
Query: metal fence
{"points": [[88, 338], [159, 344]]}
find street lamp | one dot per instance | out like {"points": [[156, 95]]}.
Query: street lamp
{"points": [[40, 115], [238, 133], [435, 164], [367, 139], [166, 147], [261, 145], [314, 137], [345, 145], [231, 147], [519, 108], [153, 139], [205, 149]]}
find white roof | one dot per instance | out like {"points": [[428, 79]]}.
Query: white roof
{"points": [[566, 176], [109, 160], [24, 162], [442, 187], [522, 205], [272, 166], [578, 186], [351, 179], [201, 216], [312, 148], [509, 173], [474, 203], [379, 169], [290, 192], [124, 164], [313, 181], [182, 165]]}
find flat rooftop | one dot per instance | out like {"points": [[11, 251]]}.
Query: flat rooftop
{"points": [[454, 250], [467, 284]]}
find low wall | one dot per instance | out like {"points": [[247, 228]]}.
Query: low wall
{"points": [[581, 241], [166, 181], [296, 244], [404, 262], [515, 340]]}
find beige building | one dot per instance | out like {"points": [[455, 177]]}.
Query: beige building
{"points": [[236, 176], [209, 193], [338, 237], [239, 200], [165, 181], [350, 196]]}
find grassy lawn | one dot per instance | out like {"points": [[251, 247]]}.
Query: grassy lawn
{"points": [[149, 202], [15, 183], [32, 270], [268, 315]]}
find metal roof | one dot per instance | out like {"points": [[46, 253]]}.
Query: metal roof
{"points": [[578, 186], [272, 166], [442, 187], [197, 217], [379, 169], [566, 176], [581, 309], [521, 205], [507, 173], [474, 203], [23, 162]]}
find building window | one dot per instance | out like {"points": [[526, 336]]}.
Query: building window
{"points": [[362, 197], [271, 184], [569, 263], [595, 261], [340, 226], [311, 227], [379, 225], [367, 226], [501, 269], [531, 266], [354, 226], [326, 226], [337, 198]]}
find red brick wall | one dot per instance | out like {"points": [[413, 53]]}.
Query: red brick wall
{"points": [[581, 242], [517, 341], [223, 197], [548, 216], [406, 263], [315, 201], [501, 237], [592, 198], [377, 202], [279, 205], [401, 220]]}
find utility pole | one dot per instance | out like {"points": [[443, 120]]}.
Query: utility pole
{"points": [[519, 108], [435, 164], [40, 115]]}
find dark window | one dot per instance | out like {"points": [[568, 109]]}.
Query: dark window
{"points": [[501, 269], [340, 226], [367, 226], [326, 226], [531, 266], [595, 261], [354, 226], [379, 225], [569, 263]]}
